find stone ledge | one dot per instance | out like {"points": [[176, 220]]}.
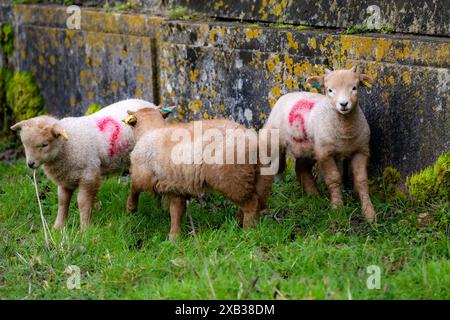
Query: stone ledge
{"points": [[422, 17]]}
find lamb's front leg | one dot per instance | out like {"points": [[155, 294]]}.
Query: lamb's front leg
{"points": [[359, 169], [64, 196], [333, 180], [86, 197], [177, 210]]}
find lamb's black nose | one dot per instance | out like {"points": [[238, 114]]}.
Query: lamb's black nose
{"points": [[344, 104], [31, 164]]}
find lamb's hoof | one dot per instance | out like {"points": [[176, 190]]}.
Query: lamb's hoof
{"points": [[131, 210], [173, 237], [131, 207], [84, 226], [370, 215], [58, 225], [337, 204]]}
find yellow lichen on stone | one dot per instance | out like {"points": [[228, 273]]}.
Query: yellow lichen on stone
{"points": [[272, 63], [276, 91], [140, 78], [195, 106], [219, 4], [391, 80], [193, 75], [313, 43], [252, 33], [138, 92], [114, 87], [291, 42], [406, 77]]}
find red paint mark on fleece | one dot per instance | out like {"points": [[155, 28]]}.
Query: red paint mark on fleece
{"points": [[297, 117], [103, 124]]}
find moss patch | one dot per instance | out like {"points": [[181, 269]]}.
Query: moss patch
{"points": [[93, 108], [23, 96], [388, 186], [432, 184], [5, 77], [7, 39]]}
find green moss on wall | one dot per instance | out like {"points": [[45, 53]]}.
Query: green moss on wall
{"points": [[7, 39], [432, 184], [93, 108], [23, 96], [388, 186], [5, 77]]}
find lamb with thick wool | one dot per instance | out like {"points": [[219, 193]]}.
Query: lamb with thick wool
{"points": [[159, 165], [326, 128], [76, 151]]}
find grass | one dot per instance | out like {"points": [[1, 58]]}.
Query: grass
{"points": [[301, 250]]}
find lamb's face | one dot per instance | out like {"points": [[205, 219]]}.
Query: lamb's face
{"points": [[342, 87], [42, 142]]}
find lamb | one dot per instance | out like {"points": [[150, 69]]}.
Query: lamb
{"points": [[162, 164], [326, 128], [76, 151]]}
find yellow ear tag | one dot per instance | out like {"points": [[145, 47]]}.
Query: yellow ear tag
{"points": [[367, 84], [130, 119], [64, 135]]}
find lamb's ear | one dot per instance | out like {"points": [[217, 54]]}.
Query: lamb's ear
{"points": [[366, 80], [58, 131], [314, 80], [18, 126], [130, 113]]}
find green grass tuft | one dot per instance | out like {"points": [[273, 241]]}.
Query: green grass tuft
{"points": [[301, 250]]}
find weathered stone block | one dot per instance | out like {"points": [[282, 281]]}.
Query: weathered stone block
{"points": [[111, 57], [239, 71]]}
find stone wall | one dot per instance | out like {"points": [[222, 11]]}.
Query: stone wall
{"points": [[238, 70]]}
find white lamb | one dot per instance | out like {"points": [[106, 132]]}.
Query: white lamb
{"points": [[326, 128], [77, 151]]}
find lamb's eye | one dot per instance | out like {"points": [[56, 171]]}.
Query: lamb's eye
{"points": [[330, 90], [354, 88], [44, 145]]}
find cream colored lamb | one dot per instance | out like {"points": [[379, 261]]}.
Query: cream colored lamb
{"points": [[158, 165], [76, 151], [326, 128]]}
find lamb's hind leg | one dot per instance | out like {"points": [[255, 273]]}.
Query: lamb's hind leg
{"points": [[177, 210], [303, 169], [133, 198], [140, 181], [64, 196], [359, 168], [250, 211], [86, 195]]}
